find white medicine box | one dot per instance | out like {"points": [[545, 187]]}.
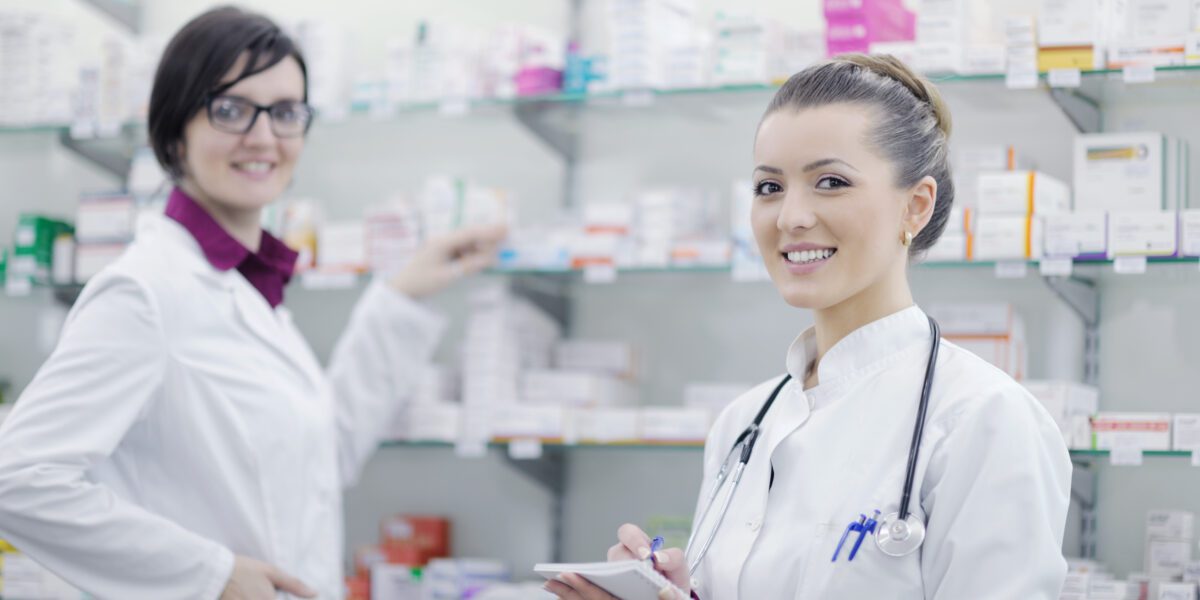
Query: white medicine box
{"points": [[1022, 193], [1130, 171], [1142, 233], [1170, 524], [1083, 235], [1186, 434], [1006, 237]]}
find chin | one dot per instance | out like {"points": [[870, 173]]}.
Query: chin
{"points": [[806, 295], [255, 197]]}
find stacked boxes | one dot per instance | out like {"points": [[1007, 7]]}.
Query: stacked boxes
{"points": [[1071, 405], [853, 25], [993, 331], [1071, 34], [33, 247], [1170, 535], [1012, 206]]}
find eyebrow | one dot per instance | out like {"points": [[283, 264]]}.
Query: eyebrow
{"points": [[817, 164], [771, 170]]}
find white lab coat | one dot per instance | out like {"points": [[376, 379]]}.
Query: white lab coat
{"points": [[181, 421], [992, 482]]}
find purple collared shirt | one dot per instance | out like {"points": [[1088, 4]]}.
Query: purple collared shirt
{"points": [[269, 270]]}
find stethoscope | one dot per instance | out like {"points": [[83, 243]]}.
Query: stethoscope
{"points": [[897, 534]]}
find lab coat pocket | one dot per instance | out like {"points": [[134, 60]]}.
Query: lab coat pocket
{"points": [[858, 569]]}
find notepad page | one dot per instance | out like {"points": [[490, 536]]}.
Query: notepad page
{"points": [[628, 579]]}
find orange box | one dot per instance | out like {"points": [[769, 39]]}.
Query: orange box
{"points": [[430, 534], [358, 588]]}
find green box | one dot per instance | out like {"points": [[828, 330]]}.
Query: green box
{"points": [[33, 246]]}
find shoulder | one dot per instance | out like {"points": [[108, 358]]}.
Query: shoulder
{"points": [[969, 390], [152, 271]]}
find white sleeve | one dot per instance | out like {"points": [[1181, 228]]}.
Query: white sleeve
{"points": [[105, 372], [996, 494], [375, 367]]}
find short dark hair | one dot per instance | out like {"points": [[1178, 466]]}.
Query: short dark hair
{"points": [[912, 125], [196, 60]]}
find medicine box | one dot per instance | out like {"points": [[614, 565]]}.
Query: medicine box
{"points": [[1147, 431], [1021, 193]]}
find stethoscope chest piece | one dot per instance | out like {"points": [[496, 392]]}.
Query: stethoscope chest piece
{"points": [[896, 537]]}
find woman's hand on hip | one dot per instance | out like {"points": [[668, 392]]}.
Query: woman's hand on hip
{"points": [[256, 580], [442, 260], [632, 544]]}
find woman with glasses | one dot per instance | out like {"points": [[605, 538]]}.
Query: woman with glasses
{"points": [[182, 441]]}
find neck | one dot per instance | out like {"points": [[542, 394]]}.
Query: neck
{"points": [[243, 224], [887, 296]]}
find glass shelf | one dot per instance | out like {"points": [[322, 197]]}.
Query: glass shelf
{"points": [[1150, 262], [1156, 453], [642, 97], [557, 443], [317, 281]]}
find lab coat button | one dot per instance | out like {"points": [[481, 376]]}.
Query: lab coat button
{"points": [[695, 583], [754, 524]]}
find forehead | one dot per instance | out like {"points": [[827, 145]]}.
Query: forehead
{"points": [[790, 136], [282, 81]]}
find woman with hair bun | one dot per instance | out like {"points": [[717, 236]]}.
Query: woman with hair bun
{"points": [[886, 462]]}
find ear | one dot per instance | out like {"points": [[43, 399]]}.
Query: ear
{"points": [[919, 208]]}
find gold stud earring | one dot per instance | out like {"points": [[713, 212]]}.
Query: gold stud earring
{"points": [[907, 239]]}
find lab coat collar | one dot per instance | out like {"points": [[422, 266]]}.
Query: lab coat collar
{"points": [[271, 326], [858, 352]]}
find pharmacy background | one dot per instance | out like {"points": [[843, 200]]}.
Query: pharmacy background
{"points": [[629, 303]]}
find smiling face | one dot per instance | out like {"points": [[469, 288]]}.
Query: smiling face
{"points": [[827, 214], [244, 172]]}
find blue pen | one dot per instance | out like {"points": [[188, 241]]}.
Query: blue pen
{"points": [[655, 546]]}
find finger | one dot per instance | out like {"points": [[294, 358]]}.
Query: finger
{"points": [[286, 583], [561, 590], [669, 593], [475, 263], [620, 552], [635, 539], [471, 236], [673, 564], [585, 588]]}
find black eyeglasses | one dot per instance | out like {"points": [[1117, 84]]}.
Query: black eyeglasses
{"points": [[232, 114]]}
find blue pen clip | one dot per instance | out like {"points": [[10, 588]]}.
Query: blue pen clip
{"points": [[853, 526], [655, 545], [869, 525]]}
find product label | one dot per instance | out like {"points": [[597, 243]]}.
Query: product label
{"points": [[525, 449], [1065, 78], [1134, 74], [1011, 269], [1126, 456], [1056, 267], [600, 274]]}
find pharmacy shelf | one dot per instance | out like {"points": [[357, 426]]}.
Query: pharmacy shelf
{"points": [[1165, 77], [557, 443], [645, 97], [696, 446], [553, 117], [1147, 453], [318, 282]]}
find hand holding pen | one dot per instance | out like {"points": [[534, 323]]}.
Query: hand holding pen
{"points": [[633, 544]]}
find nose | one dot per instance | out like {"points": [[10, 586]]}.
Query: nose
{"points": [[796, 213], [260, 133]]}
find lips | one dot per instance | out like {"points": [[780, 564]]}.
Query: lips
{"points": [[802, 257], [255, 170]]}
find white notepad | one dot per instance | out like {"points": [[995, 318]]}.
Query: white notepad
{"points": [[626, 579]]}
